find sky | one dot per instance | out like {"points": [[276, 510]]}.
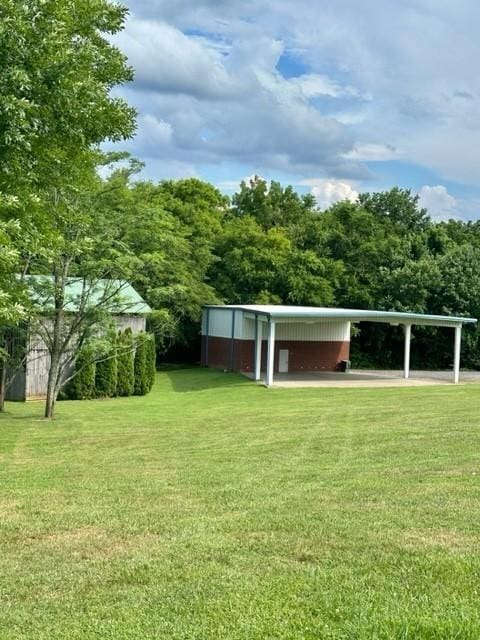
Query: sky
{"points": [[334, 97]]}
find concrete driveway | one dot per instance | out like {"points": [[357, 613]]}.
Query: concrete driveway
{"points": [[371, 378]]}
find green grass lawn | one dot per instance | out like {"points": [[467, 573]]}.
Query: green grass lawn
{"points": [[213, 508]]}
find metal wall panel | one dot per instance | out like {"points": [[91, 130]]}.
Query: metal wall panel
{"points": [[249, 329], [220, 323], [220, 326], [338, 331]]}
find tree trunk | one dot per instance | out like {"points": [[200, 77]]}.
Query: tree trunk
{"points": [[50, 405], [3, 385], [56, 342], [52, 386]]}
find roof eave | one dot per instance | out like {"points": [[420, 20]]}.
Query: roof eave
{"points": [[356, 315]]}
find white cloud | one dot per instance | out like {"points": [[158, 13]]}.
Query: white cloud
{"points": [[159, 131], [313, 84], [327, 191], [229, 103], [168, 61], [371, 85], [438, 202]]}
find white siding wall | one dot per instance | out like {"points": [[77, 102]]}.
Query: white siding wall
{"points": [[220, 323], [136, 323], [249, 329], [338, 331]]}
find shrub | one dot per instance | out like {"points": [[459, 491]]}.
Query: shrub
{"points": [[125, 363], [142, 380], [145, 363], [106, 376], [151, 360], [82, 385]]}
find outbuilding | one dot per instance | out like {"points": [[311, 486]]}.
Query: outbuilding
{"points": [[252, 339], [126, 307]]}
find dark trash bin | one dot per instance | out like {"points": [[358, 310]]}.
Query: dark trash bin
{"points": [[344, 365]]}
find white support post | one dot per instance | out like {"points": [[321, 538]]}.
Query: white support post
{"points": [[270, 352], [456, 353], [258, 347], [406, 357]]}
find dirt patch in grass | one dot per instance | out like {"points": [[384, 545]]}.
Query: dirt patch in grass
{"points": [[9, 510], [91, 542], [442, 539]]}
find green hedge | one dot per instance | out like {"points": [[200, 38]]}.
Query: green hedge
{"points": [[151, 360], [144, 364], [140, 366], [125, 358], [82, 385], [106, 376], [131, 371]]}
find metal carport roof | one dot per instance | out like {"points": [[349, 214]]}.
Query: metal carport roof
{"points": [[285, 313]]}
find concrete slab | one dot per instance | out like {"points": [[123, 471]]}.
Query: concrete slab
{"points": [[370, 378]]}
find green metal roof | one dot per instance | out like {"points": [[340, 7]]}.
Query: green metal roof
{"points": [[122, 298], [283, 312]]}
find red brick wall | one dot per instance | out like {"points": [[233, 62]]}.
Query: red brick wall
{"points": [[303, 355]]}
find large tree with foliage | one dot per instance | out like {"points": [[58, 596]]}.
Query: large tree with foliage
{"points": [[57, 68], [74, 317], [11, 310], [260, 266], [271, 204], [268, 251], [172, 228]]}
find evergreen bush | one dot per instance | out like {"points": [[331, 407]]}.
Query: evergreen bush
{"points": [[151, 360], [82, 385], [106, 376], [141, 386], [125, 363]]}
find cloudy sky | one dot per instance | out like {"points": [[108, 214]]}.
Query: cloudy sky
{"points": [[332, 96]]}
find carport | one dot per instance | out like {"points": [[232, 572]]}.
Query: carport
{"points": [[269, 317]]}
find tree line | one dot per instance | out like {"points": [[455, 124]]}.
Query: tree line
{"points": [[270, 244]]}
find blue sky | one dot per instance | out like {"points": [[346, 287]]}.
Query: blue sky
{"points": [[335, 96]]}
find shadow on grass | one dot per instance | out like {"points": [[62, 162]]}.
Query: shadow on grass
{"points": [[12, 416], [184, 380]]}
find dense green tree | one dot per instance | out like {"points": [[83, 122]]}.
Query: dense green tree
{"points": [[264, 266], [458, 293], [151, 361], [398, 207], [11, 309], [355, 237], [271, 205], [171, 228], [57, 69]]}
